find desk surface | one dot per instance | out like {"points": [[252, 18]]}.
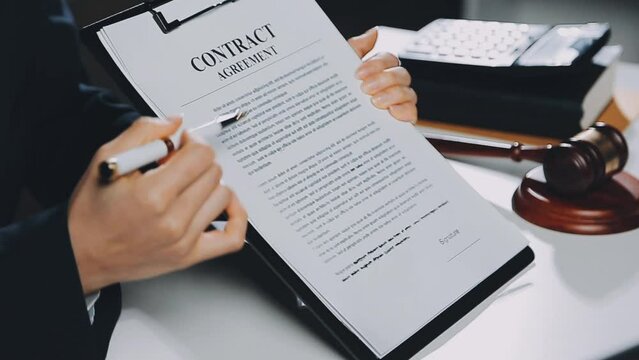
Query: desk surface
{"points": [[579, 301]]}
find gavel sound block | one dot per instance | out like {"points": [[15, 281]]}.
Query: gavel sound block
{"points": [[579, 189]]}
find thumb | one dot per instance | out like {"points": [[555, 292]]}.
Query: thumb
{"points": [[145, 130], [364, 43]]}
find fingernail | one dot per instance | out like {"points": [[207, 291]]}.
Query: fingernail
{"points": [[362, 73], [175, 118], [379, 100], [370, 86]]}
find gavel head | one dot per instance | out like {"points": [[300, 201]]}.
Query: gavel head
{"points": [[586, 160]]}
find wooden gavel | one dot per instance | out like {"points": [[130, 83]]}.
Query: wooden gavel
{"points": [[571, 167]]}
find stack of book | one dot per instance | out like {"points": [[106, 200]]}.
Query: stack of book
{"points": [[554, 107], [532, 110]]}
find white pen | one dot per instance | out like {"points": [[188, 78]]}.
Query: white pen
{"points": [[136, 158]]}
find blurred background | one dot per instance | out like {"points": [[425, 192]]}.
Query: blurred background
{"points": [[623, 15], [353, 17]]}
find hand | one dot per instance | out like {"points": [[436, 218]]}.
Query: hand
{"points": [[144, 225], [385, 80]]}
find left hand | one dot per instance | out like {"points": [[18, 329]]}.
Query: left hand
{"points": [[385, 80]]}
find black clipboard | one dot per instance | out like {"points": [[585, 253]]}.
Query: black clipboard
{"points": [[351, 343]]}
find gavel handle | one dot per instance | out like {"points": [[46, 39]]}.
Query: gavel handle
{"points": [[456, 145]]}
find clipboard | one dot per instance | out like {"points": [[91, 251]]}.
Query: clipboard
{"points": [[351, 343]]}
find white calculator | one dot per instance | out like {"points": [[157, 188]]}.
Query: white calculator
{"points": [[507, 47]]}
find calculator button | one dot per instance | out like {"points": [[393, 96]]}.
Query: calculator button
{"points": [[462, 36], [483, 32], [493, 54], [455, 43], [436, 26], [478, 38], [461, 52], [487, 45], [445, 51], [508, 41], [469, 28], [444, 35], [509, 26], [470, 45], [437, 42], [501, 33], [493, 39], [428, 49], [478, 53], [502, 47], [522, 43]]}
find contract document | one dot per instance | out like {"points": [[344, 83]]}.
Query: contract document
{"points": [[365, 211]]}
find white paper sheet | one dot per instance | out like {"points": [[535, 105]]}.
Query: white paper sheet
{"points": [[360, 206]]}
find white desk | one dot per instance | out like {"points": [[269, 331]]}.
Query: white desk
{"points": [[579, 301]]}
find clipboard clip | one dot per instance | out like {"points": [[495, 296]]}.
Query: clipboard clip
{"points": [[167, 26]]}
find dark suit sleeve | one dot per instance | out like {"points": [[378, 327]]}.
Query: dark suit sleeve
{"points": [[43, 309], [61, 154], [73, 118], [58, 123]]}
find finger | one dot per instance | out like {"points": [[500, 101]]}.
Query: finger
{"points": [[394, 96], [183, 168], [214, 205], [404, 112], [396, 76], [221, 242], [184, 209], [376, 65], [364, 43], [185, 251], [144, 130]]}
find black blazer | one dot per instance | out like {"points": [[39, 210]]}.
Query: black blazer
{"points": [[50, 126]]}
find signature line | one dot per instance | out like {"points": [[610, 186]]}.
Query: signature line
{"points": [[466, 248]]}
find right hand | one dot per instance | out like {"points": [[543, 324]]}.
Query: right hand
{"points": [[144, 225]]}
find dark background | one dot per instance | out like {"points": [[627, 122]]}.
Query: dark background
{"points": [[352, 17]]}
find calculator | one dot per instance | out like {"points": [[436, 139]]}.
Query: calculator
{"points": [[503, 47]]}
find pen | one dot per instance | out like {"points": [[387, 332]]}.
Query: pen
{"points": [[136, 158]]}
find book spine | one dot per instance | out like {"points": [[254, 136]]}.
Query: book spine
{"points": [[539, 116]]}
